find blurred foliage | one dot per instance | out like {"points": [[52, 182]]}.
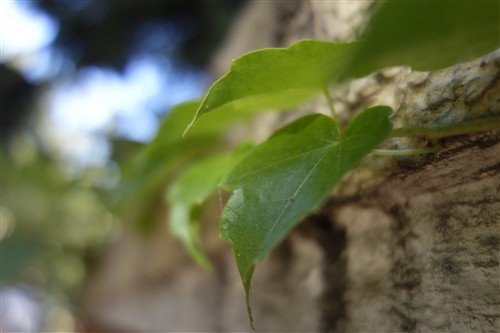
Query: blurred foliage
{"points": [[53, 220], [187, 194], [147, 174], [49, 222], [16, 99], [426, 35]]}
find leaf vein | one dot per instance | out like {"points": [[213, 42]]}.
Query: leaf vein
{"points": [[268, 166], [301, 185]]}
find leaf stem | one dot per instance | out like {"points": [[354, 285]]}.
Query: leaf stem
{"points": [[249, 311], [329, 101], [436, 132], [441, 131], [407, 152]]}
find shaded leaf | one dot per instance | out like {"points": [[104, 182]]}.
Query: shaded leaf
{"points": [[276, 78], [426, 35], [146, 175], [289, 176], [18, 252], [190, 191]]}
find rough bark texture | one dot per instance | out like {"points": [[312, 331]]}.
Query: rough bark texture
{"points": [[403, 245], [423, 244]]}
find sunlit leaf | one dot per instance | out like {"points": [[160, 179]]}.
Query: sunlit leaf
{"points": [[427, 35], [289, 176], [190, 191], [276, 78]]}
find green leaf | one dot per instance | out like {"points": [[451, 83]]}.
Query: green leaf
{"points": [[141, 171], [427, 35], [145, 176], [190, 191], [287, 177], [276, 78]]}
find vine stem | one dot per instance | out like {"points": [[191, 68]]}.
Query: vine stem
{"points": [[329, 101], [437, 132], [442, 131], [407, 152]]}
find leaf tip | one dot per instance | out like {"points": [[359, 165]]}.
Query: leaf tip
{"points": [[249, 307], [246, 285]]}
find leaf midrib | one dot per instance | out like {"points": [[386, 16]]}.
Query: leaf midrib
{"points": [[268, 166], [328, 149], [231, 102]]}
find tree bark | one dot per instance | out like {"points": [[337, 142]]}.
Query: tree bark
{"points": [[403, 245]]}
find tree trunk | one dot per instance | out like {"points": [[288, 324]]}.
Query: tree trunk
{"points": [[403, 245]]}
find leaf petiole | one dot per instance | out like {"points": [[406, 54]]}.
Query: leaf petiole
{"points": [[437, 132], [329, 101]]}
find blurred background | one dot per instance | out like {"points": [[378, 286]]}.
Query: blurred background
{"points": [[84, 85]]}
